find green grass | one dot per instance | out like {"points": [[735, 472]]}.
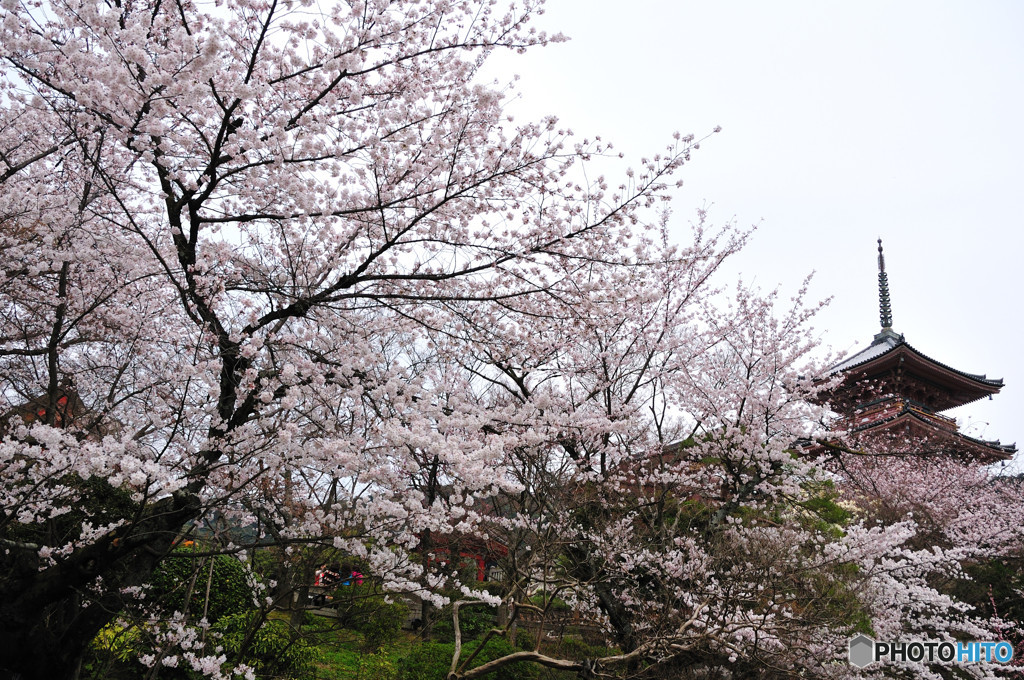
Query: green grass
{"points": [[338, 664], [342, 656]]}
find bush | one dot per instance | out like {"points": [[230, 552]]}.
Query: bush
{"points": [[120, 642], [383, 626], [526, 640], [473, 622], [274, 650], [363, 609], [428, 661], [113, 653], [576, 649], [432, 661], [230, 592], [553, 604]]}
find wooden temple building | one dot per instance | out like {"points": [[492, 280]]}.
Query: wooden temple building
{"points": [[893, 394], [68, 409]]}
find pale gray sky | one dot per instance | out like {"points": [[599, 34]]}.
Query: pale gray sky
{"points": [[842, 122]]}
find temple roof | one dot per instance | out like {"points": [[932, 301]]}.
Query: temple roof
{"points": [[891, 357], [928, 432], [882, 347], [872, 351]]}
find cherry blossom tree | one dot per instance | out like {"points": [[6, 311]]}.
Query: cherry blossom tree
{"points": [[652, 499], [229, 235], [669, 504], [958, 504], [966, 515]]}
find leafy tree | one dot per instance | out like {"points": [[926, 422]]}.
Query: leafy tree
{"points": [[268, 646], [210, 588]]}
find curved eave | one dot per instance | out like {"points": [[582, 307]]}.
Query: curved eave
{"points": [[889, 354], [983, 450], [875, 350]]}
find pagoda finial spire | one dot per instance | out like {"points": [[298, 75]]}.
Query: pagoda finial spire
{"points": [[884, 308]]}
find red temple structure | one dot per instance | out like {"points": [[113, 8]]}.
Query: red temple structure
{"points": [[68, 409], [892, 392]]}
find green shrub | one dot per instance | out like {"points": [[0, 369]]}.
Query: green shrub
{"points": [[315, 625], [577, 649], [383, 626], [113, 653], [554, 604], [362, 608], [120, 642], [428, 661], [274, 650], [432, 661], [377, 666], [473, 623], [526, 640], [495, 649], [230, 592]]}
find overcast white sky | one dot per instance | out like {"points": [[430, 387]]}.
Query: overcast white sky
{"points": [[842, 123]]}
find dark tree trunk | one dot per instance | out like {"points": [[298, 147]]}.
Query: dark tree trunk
{"points": [[47, 619]]}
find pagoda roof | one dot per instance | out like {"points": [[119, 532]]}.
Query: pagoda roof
{"points": [[890, 351], [928, 427]]}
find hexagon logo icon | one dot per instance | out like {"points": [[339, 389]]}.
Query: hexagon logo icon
{"points": [[862, 650]]}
